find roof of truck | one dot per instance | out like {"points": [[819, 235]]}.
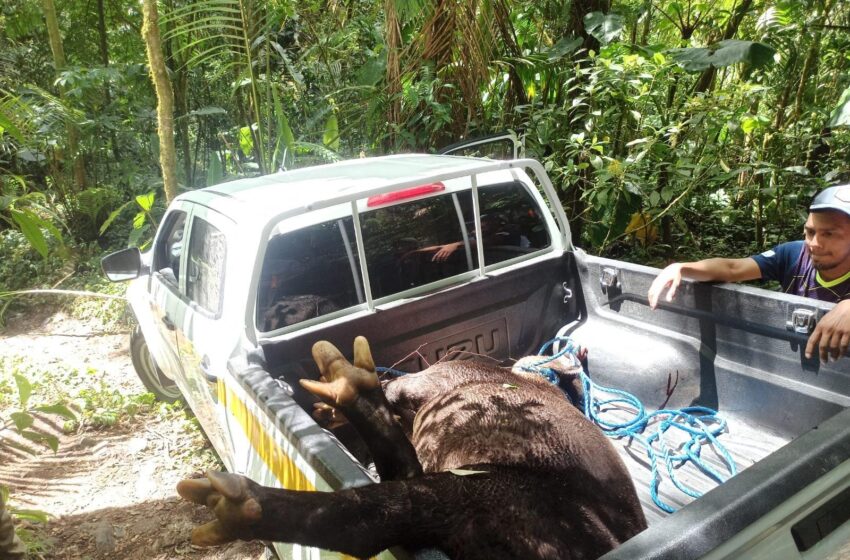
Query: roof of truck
{"points": [[351, 179]]}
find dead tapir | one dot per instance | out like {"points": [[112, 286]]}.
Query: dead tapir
{"points": [[474, 459]]}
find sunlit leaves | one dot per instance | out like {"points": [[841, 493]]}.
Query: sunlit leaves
{"points": [[841, 114], [22, 420], [145, 201], [29, 223], [331, 136], [246, 140]]}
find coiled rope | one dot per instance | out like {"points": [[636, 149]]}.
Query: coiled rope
{"points": [[702, 425]]}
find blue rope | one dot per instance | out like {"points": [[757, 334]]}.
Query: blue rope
{"points": [[701, 424], [391, 371]]}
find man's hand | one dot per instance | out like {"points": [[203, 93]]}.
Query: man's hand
{"points": [[446, 251], [832, 335], [670, 278]]}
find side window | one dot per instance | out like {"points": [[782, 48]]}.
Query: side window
{"points": [[169, 248], [511, 222], [206, 259], [307, 273], [419, 242]]}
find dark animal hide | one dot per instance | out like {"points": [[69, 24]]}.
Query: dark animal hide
{"points": [[485, 463], [290, 310]]}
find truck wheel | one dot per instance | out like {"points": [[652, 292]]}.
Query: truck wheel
{"points": [[152, 377]]}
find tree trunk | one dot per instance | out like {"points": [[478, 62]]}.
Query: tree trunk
{"points": [[104, 59], [392, 30], [11, 547], [707, 77], [811, 58], [59, 64], [180, 87], [164, 97]]}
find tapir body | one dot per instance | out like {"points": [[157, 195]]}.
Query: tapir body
{"points": [[474, 459]]}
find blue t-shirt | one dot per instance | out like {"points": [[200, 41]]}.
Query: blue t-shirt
{"points": [[791, 264]]}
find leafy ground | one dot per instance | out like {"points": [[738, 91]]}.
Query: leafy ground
{"points": [[109, 489]]}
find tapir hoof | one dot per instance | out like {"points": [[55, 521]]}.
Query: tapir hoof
{"points": [[229, 496], [341, 382]]}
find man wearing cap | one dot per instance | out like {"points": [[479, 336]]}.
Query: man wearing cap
{"points": [[817, 267]]}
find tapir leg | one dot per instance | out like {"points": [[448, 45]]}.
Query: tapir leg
{"points": [[486, 512], [357, 393]]}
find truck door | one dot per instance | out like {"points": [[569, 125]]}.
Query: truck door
{"points": [[504, 145], [204, 339], [164, 294]]}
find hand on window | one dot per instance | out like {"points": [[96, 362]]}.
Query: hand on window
{"points": [[445, 251]]}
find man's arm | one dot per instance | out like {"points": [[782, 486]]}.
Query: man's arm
{"points": [[708, 270]]}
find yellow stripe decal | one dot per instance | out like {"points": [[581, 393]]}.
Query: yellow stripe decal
{"points": [[278, 462]]}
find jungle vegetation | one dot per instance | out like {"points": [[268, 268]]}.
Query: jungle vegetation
{"points": [[670, 128]]}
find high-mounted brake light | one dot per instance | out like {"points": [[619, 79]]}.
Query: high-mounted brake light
{"points": [[412, 192]]}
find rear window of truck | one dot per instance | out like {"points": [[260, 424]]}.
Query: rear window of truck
{"points": [[314, 271]]}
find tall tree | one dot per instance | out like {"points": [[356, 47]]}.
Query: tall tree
{"points": [[164, 97], [59, 65]]}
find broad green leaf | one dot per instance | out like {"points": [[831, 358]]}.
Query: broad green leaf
{"points": [[24, 389], [30, 229], [22, 420], [331, 136], [7, 126], [604, 27], [597, 162], [139, 220], [564, 47], [111, 218], [841, 114], [49, 440], [146, 201], [654, 198], [57, 409], [372, 71], [246, 141], [749, 124], [135, 237], [724, 53], [48, 225]]}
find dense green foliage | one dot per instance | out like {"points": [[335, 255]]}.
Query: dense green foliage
{"points": [[712, 121]]}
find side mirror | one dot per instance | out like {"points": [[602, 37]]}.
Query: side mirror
{"points": [[125, 264]]}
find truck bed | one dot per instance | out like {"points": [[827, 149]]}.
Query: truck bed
{"points": [[726, 346]]}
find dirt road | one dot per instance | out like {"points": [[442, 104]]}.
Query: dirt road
{"points": [[109, 489]]}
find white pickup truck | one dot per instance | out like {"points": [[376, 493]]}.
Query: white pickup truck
{"points": [[244, 277]]}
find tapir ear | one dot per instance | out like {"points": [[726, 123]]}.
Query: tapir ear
{"points": [[328, 357], [362, 354]]}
